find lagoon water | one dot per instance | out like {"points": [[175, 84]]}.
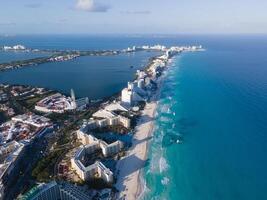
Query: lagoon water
{"points": [[216, 101], [91, 76]]}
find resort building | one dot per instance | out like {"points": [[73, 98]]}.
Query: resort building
{"points": [[15, 47], [81, 103], [54, 191], [115, 106], [157, 65], [155, 47], [32, 119], [91, 144], [96, 170], [141, 74], [108, 118], [57, 103], [107, 149], [133, 94]]}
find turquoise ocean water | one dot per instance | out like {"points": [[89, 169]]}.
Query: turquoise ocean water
{"points": [[216, 103]]}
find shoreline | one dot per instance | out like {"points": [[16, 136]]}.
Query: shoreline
{"points": [[129, 184], [63, 55]]}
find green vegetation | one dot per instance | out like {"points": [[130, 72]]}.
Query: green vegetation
{"points": [[58, 117], [64, 139], [45, 167], [30, 102]]}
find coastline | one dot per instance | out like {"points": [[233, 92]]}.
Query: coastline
{"points": [[145, 88], [128, 184]]}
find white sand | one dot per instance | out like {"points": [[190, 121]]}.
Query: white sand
{"points": [[129, 167]]}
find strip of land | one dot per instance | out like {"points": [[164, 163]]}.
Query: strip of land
{"points": [[63, 55], [129, 168], [86, 141]]}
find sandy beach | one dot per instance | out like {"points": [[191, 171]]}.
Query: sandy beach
{"points": [[129, 168]]}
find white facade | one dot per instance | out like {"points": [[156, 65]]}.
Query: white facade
{"points": [[107, 149], [110, 119], [32, 119], [57, 103], [116, 106], [96, 170], [132, 94], [126, 97]]}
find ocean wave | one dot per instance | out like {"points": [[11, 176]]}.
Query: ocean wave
{"points": [[164, 132], [163, 165], [165, 119], [158, 162], [145, 188], [165, 108], [165, 181]]}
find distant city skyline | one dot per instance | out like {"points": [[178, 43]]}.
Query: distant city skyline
{"points": [[132, 17]]}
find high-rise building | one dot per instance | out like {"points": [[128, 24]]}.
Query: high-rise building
{"points": [[55, 191]]}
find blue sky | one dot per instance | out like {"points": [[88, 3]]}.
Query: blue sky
{"points": [[132, 16]]}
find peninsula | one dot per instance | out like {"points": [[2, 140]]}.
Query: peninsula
{"points": [[99, 145], [64, 55]]}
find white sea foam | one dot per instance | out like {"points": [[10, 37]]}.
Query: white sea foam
{"points": [[164, 119], [163, 165], [164, 124], [156, 114], [158, 198], [165, 181], [144, 187], [165, 108]]}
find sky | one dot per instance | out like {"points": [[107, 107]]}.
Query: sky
{"points": [[132, 16]]}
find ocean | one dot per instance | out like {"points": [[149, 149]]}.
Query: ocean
{"points": [[215, 102]]}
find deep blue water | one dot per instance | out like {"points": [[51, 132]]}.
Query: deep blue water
{"points": [[217, 102], [92, 76]]}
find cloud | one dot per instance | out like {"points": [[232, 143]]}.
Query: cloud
{"points": [[90, 6], [33, 5], [139, 12]]}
